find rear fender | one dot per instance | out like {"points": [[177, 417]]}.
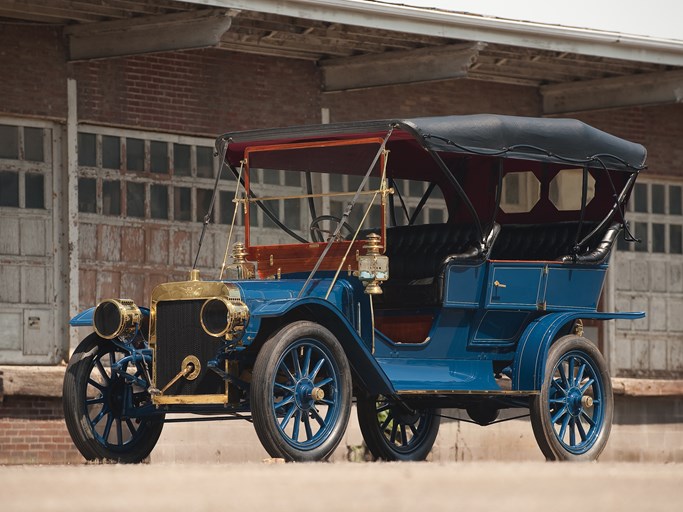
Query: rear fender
{"points": [[366, 371], [84, 318], [533, 346]]}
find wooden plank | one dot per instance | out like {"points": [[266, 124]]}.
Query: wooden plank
{"points": [[647, 387], [196, 29], [400, 67], [636, 90], [43, 381]]}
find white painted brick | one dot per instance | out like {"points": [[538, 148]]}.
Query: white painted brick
{"points": [[640, 303], [658, 282], [622, 272], [658, 313], [640, 357], [675, 315], [675, 276], [658, 351], [639, 275]]}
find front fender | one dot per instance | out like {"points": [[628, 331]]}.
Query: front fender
{"points": [[365, 367], [532, 350], [84, 318]]}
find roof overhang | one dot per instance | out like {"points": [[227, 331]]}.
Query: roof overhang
{"points": [[439, 23]]}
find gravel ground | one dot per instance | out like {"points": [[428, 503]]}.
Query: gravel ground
{"points": [[343, 486]]}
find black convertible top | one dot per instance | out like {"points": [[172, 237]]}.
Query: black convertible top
{"points": [[539, 139]]}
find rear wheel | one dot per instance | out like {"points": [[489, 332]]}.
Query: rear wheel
{"points": [[394, 432], [572, 416], [98, 403], [301, 393]]}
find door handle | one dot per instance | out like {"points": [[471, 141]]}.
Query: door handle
{"points": [[498, 284]]}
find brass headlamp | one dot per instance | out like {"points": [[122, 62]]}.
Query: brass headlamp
{"points": [[116, 317], [222, 317]]}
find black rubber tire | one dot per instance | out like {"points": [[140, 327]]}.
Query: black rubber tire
{"points": [[90, 443], [548, 438], [423, 425], [285, 342]]}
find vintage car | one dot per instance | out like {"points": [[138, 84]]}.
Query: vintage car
{"points": [[424, 265]]}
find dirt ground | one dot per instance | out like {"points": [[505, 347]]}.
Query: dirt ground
{"points": [[414, 487]]}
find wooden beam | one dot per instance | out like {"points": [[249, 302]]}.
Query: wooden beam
{"points": [[32, 380], [177, 31], [399, 67], [647, 387], [624, 91]]}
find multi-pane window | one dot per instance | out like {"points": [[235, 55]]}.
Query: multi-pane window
{"points": [[148, 176], [24, 155], [655, 218]]}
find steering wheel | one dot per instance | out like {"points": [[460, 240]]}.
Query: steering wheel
{"points": [[317, 232]]}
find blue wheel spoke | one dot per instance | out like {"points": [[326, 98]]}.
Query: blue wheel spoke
{"points": [[131, 427], [102, 371], [285, 388], [283, 402], [318, 418], [570, 371], [563, 377], [579, 376], [387, 420], [572, 432], [98, 418], [297, 424], [119, 431], [588, 418], [586, 386], [107, 427], [325, 401], [579, 427], [413, 429], [394, 430], [307, 360], [404, 435], [288, 416], [559, 414], [296, 363], [557, 384], [307, 426], [561, 400], [316, 369], [383, 408], [97, 385], [324, 382], [94, 401], [563, 429]]}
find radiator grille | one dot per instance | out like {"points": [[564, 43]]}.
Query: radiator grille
{"points": [[180, 334]]}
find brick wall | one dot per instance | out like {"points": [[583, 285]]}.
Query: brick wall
{"points": [[198, 92], [32, 431], [35, 83], [432, 99], [658, 128]]}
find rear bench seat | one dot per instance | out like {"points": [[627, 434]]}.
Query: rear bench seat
{"points": [[417, 254]]}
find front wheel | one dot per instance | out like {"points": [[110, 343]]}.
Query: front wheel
{"points": [[394, 432], [572, 416], [301, 393], [100, 405]]}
